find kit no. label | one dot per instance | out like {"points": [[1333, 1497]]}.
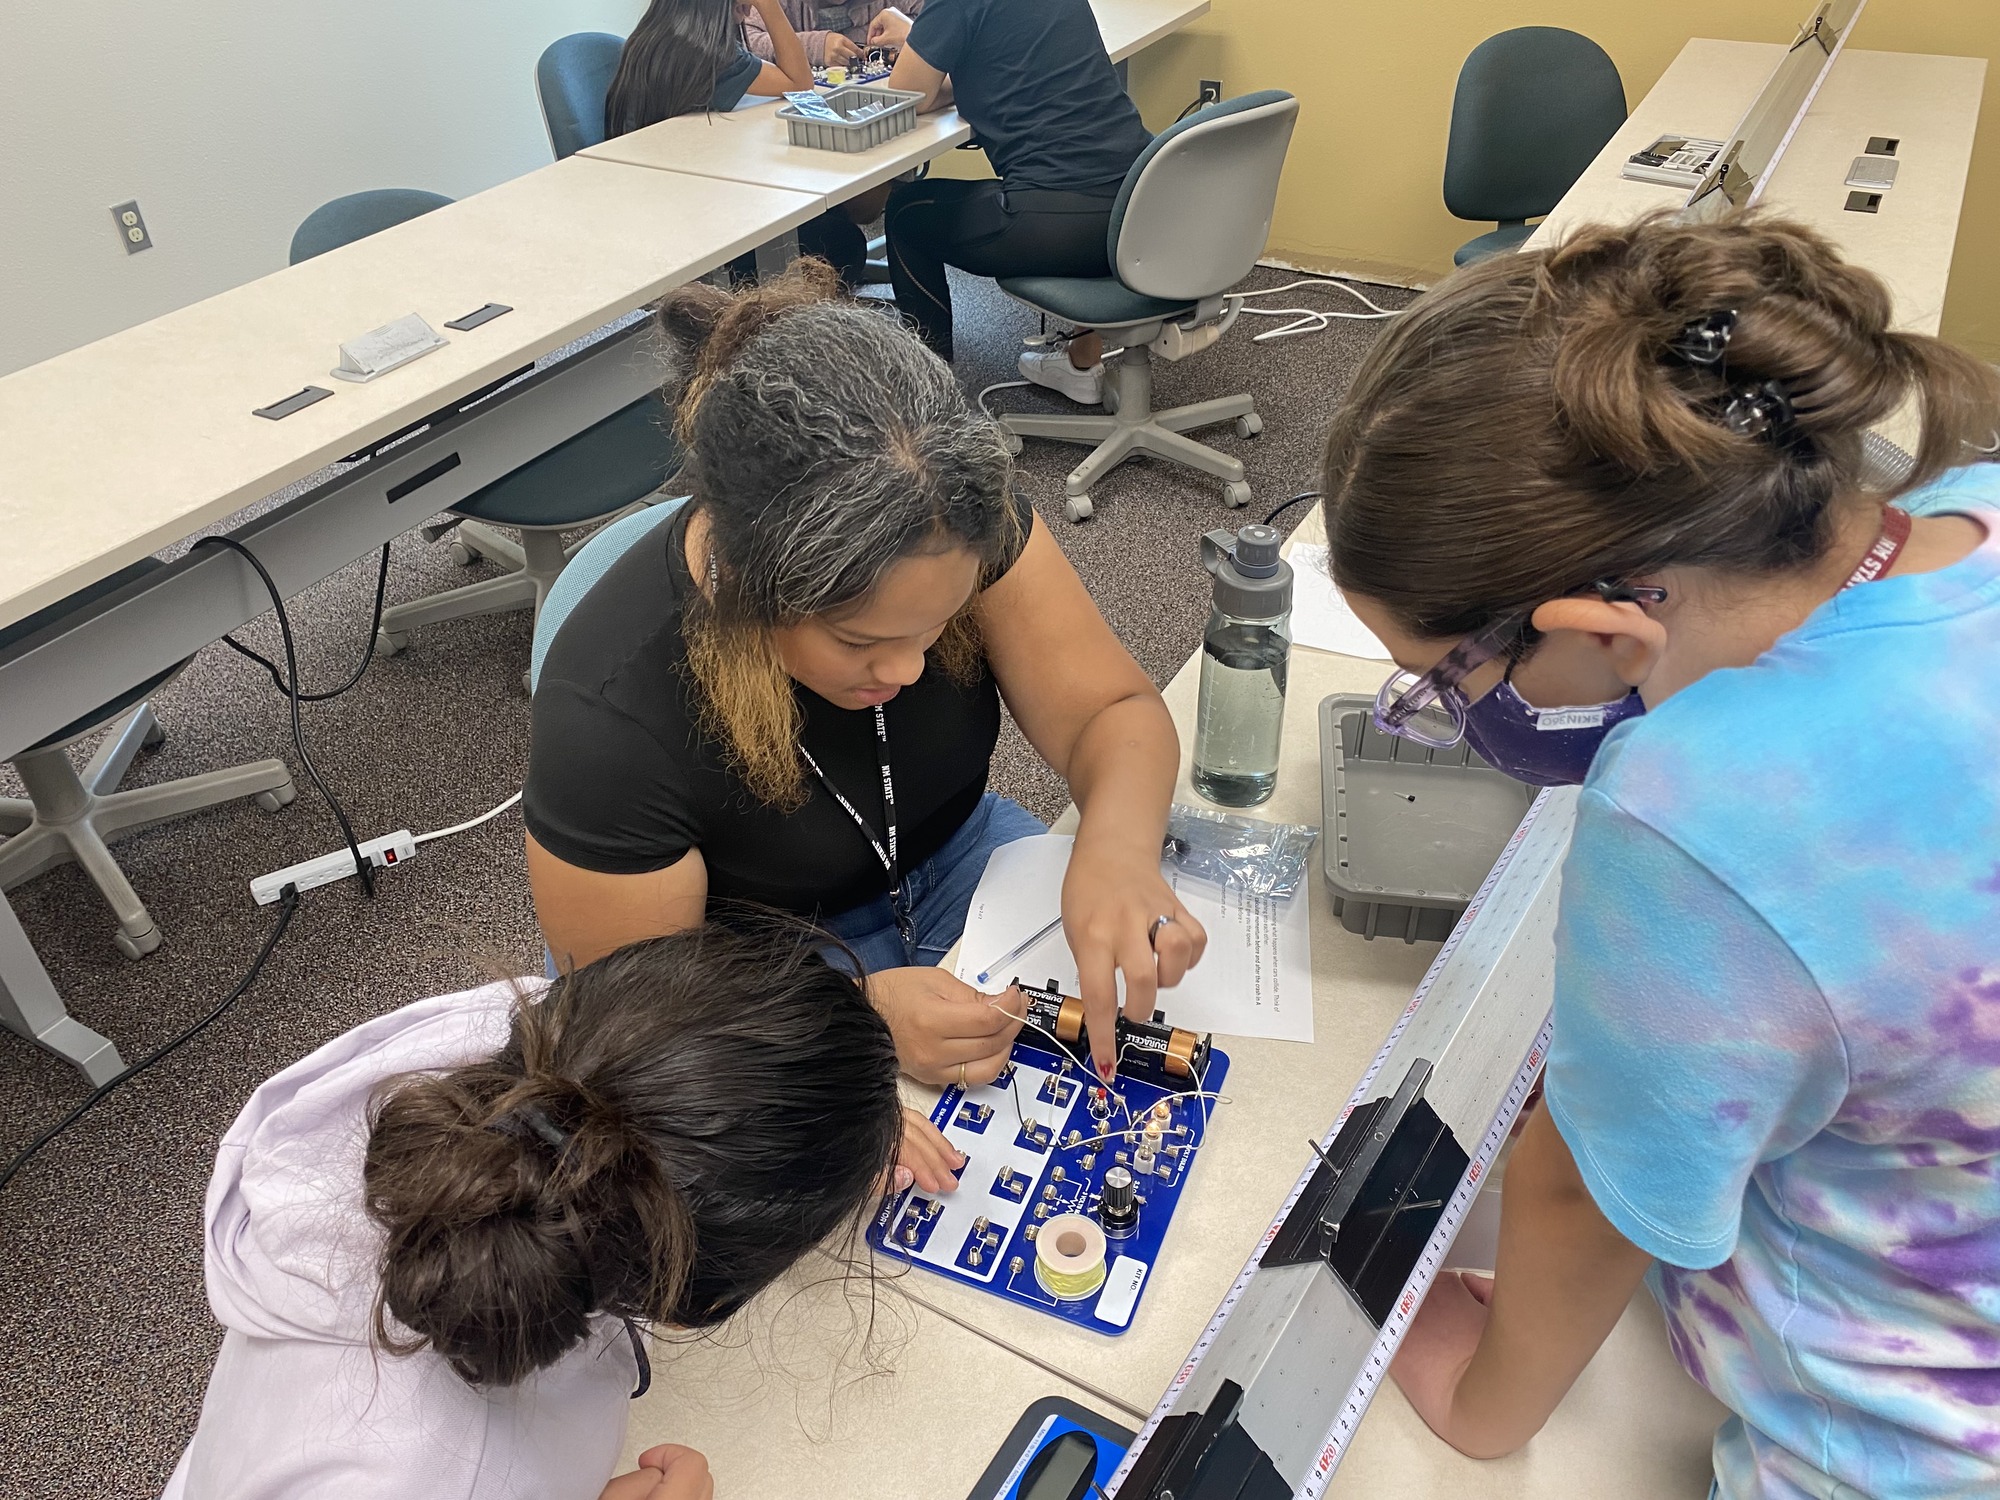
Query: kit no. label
{"points": [[1041, 1160]]}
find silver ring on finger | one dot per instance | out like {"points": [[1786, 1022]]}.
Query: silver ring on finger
{"points": [[1153, 932]]}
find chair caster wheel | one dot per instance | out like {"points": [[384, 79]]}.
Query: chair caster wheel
{"points": [[1237, 494], [1012, 440], [528, 683], [466, 556], [1108, 398], [137, 947], [1249, 425], [154, 736], [391, 642], [277, 797], [1079, 508]]}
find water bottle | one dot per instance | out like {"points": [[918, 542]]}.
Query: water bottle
{"points": [[1243, 657]]}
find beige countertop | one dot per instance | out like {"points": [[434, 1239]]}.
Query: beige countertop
{"points": [[122, 447]]}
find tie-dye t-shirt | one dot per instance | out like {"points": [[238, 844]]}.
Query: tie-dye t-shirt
{"points": [[1777, 1044]]}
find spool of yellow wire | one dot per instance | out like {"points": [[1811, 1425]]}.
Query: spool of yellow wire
{"points": [[1069, 1257]]}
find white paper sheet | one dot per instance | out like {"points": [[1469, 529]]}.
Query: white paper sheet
{"points": [[1254, 980], [1320, 617]]}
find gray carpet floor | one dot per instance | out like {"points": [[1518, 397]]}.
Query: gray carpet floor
{"points": [[105, 1335]]}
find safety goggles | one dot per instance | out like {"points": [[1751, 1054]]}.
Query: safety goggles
{"points": [[1429, 707]]}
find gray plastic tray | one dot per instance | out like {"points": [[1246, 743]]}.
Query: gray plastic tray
{"points": [[1410, 831], [854, 135]]}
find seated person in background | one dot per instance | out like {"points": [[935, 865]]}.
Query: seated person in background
{"points": [[1032, 79], [687, 57], [432, 1241], [835, 31], [790, 692]]}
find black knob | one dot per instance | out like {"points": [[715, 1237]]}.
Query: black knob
{"points": [[1118, 1208]]}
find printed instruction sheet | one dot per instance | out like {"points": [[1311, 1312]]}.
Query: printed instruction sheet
{"points": [[1254, 980], [1320, 616]]}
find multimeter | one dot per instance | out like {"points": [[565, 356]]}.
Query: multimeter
{"points": [[1057, 1451]]}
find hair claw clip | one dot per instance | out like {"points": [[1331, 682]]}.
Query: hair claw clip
{"points": [[1759, 410], [1706, 340]]}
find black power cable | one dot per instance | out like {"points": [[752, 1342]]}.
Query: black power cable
{"points": [[289, 685], [288, 908], [1295, 500], [367, 646]]}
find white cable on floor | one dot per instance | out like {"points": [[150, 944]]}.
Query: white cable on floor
{"points": [[998, 385], [485, 817], [1311, 319]]}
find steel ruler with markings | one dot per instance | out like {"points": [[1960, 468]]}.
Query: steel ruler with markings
{"points": [[1269, 1399]]}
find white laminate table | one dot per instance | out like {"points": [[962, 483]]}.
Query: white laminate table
{"points": [[171, 443], [1930, 103], [753, 145], [807, 1398]]}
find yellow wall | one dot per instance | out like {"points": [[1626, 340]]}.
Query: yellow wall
{"points": [[1362, 188]]}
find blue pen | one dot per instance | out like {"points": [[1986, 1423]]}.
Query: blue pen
{"points": [[986, 974]]}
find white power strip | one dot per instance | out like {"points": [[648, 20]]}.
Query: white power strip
{"points": [[395, 848]]}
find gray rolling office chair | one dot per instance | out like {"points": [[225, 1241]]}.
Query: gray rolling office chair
{"points": [[1188, 224], [1533, 108], [602, 472], [571, 79], [70, 815]]}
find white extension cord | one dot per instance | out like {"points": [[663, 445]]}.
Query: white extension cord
{"points": [[397, 848], [1311, 319]]}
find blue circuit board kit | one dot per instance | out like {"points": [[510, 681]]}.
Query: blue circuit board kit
{"points": [[1069, 1186]]}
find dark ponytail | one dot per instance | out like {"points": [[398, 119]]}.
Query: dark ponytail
{"points": [[665, 1133], [1540, 421], [671, 63]]}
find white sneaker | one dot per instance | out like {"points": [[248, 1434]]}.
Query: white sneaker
{"points": [[1051, 368]]}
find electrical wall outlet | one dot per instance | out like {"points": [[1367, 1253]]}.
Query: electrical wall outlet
{"points": [[1211, 91], [131, 227]]}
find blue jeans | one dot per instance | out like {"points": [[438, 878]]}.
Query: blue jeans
{"points": [[940, 890]]}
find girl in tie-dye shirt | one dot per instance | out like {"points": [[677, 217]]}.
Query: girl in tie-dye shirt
{"points": [[1636, 462]]}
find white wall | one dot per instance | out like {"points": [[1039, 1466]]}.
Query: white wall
{"points": [[230, 121]]}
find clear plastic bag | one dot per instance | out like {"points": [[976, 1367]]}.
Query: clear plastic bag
{"points": [[1266, 859]]}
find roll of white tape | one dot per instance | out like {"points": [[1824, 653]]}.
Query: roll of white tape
{"points": [[1069, 1257]]}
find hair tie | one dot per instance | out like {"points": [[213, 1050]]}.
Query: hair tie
{"points": [[531, 1118]]}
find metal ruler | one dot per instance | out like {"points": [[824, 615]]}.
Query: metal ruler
{"points": [[1290, 1345]]}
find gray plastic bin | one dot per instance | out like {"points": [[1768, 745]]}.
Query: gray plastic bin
{"points": [[854, 135], [1410, 831]]}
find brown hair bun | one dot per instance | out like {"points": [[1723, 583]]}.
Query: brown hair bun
{"points": [[1535, 422]]}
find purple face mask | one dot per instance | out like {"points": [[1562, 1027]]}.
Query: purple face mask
{"points": [[1542, 746]]}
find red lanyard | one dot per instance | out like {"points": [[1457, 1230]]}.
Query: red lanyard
{"points": [[1878, 559]]}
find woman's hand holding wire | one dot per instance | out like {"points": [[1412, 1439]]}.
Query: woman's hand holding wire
{"points": [[665, 1472], [945, 1030], [1121, 917]]}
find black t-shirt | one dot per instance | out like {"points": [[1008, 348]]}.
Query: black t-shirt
{"points": [[735, 79], [1034, 82], [622, 779]]}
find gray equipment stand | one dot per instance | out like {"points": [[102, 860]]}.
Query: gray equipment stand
{"points": [[1281, 1376]]}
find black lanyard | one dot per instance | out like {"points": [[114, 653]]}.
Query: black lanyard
{"points": [[890, 857]]}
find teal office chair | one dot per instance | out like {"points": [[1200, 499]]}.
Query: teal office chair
{"points": [[602, 472], [592, 561], [571, 79], [72, 815], [1533, 108], [1189, 223]]}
